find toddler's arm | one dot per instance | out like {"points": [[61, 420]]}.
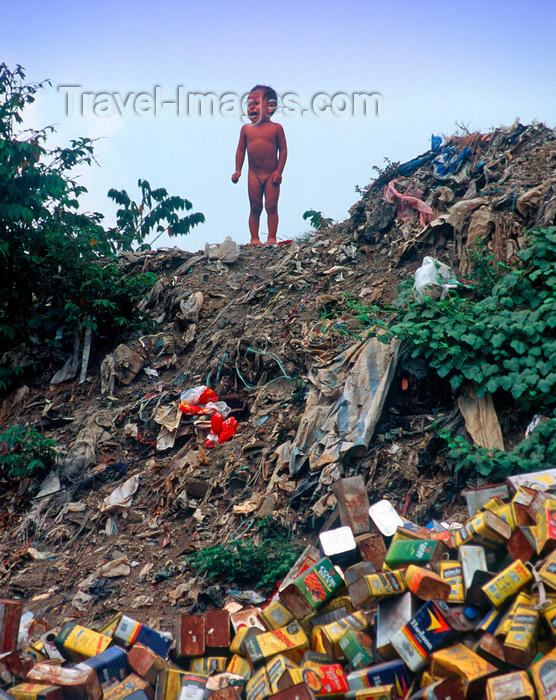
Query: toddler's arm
{"points": [[282, 155], [240, 154]]}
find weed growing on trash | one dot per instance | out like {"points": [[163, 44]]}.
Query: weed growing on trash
{"points": [[24, 451], [243, 561], [317, 220], [505, 341], [535, 452]]}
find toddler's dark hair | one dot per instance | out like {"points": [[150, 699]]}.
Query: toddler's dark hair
{"points": [[268, 92]]}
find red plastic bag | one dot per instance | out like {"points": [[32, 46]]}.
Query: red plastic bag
{"points": [[229, 427]]}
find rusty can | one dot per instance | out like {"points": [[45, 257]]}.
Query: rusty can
{"points": [[469, 671], [353, 503], [486, 528], [275, 615], [10, 617], [425, 584], [372, 548], [522, 544], [217, 629], [190, 639]]}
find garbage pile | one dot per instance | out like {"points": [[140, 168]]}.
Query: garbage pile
{"points": [[467, 190], [383, 609], [276, 334]]}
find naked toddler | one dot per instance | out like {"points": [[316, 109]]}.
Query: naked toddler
{"points": [[266, 148]]}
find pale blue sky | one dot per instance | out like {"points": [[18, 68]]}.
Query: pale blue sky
{"points": [[436, 63]]}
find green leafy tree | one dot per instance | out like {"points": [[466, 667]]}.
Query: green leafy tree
{"points": [[157, 212], [59, 267]]}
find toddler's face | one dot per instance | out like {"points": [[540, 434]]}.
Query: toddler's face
{"points": [[258, 106]]}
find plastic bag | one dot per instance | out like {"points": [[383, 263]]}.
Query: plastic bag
{"points": [[198, 395], [433, 279]]}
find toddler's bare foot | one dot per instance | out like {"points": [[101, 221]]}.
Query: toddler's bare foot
{"points": [[255, 241], [271, 241]]}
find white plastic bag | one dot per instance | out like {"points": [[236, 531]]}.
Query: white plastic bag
{"points": [[433, 279]]}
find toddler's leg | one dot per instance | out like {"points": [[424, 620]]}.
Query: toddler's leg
{"points": [[271, 194], [255, 192]]}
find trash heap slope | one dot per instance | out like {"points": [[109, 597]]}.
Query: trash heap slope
{"points": [[279, 335]]}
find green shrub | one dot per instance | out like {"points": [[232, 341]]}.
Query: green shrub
{"points": [[24, 451]]}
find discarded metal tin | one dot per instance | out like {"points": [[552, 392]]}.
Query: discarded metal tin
{"points": [[372, 548], [312, 589], [520, 642], [77, 683], [217, 629], [491, 649], [268, 644], [385, 517], [388, 673], [333, 632], [275, 615], [546, 527], [445, 689], [543, 480], [522, 544], [145, 662], [425, 584], [392, 614], [111, 665], [258, 686], [338, 545], [472, 558], [543, 673], [451, 572], [501, 631], [130, 687], [36, 691], [190, 639], [485, 528], [295, 692], [357, 648], [477, 498], [79, 643], [357, 571], [10, 617], [276, 667], [353, 503], [376, 586], [333, 610], [205, 665], [329, 681], [420, 552], [248, 617], [507, 583], [130, 631], [313, 658], [510, 686], [308, 557], [547, 571], [474, 595], [239, 666], [469, 671], [428, 629], [490, 621]]}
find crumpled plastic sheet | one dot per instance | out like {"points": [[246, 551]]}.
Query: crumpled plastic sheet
{"points": [[449, 161], [344, 405], [407, 203]]}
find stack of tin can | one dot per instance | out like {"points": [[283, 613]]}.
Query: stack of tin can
{"points": [[382, 609]]}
